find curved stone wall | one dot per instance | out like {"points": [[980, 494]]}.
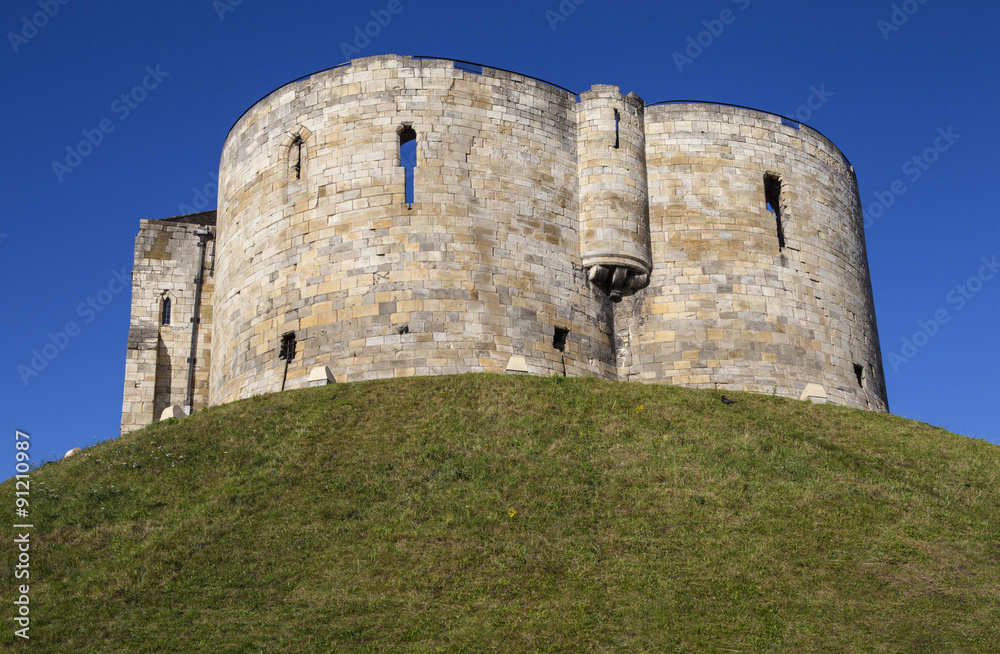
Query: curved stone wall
{"points": [[547, 234], [484, 265], [735, 300]]}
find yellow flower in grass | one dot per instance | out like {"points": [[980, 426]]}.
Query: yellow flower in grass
{"points": [[511, 512]]}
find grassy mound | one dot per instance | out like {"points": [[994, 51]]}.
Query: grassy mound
{"points": [[481, 513]]}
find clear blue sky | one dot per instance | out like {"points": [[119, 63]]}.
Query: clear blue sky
{"points": [[883, 92]]}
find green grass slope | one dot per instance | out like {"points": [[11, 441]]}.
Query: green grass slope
{"points": [[482, 513]]}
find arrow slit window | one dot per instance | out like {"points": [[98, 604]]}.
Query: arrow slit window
{"points": [[408, 158], [772, 196], [296, 154]]}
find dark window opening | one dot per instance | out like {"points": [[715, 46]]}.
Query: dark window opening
{"points": [[408, 157], [165, 314], [618, 119], [772, 196], [859, 372], [287, 346], [559, 339], [295, 157]]}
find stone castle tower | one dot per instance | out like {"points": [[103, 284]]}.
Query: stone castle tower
{"points": [[394, 217]]}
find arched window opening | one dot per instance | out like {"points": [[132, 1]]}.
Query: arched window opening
{"points": [[772, 196], [165, 312], [408, 157]]}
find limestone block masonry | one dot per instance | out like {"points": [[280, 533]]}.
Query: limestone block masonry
{"points": [[164, 289], [705, 245]]}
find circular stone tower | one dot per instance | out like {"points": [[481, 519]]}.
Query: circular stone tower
{"points": [[614, 200], [395, 217], [467, 261]]}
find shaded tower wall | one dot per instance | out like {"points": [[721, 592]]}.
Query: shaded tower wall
{"points": [[484, 266], [167, 257], [731, 303]]}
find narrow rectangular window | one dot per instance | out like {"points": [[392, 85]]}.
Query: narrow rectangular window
{"points": [[772, 196], [859, 372], [408, 158], [618, 119], [295, 157], [165, 315]]}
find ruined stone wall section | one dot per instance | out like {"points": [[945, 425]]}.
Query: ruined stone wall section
{"points": [[485, 265], [156, 371], [727, 306]]}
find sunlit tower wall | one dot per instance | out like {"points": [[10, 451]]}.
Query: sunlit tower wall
{"points": [[760, 276], [614, 200], [481, 272]]}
